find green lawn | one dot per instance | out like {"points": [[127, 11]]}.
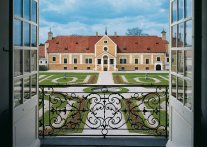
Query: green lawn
{"points": [[140, 78], [47, 78]]}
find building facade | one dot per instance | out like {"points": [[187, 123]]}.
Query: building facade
{"points": [[105, 53]]}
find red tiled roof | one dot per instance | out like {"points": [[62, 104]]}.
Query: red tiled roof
{"points": [[125, 44], [41, 51]]}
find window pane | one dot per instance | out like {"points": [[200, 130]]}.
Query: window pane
{"points": [[188, 8], [174, 36], [180, 89], [26, 34], [181, 8], [34, 36], [188, 93], [18, 7], [174, 11], [18, 62], [180, 34], [26, 88], [174, 61], [34, 85], [34, 11], [188, 63], [174, 89], [33, 60], [26, 61], [17, 32], [188, 34], [180, 62], [111, 61], [27, 9], [18, 92]]}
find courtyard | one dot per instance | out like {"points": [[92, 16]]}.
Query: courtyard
{"points": [[103, 106]]}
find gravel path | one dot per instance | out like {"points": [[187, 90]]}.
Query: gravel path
{"points": [[105, 78]]}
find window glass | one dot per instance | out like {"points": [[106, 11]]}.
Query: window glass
{"points": [[65, 60], [136, 61], [54, 59], [34, 85], [180, 62], [26, 34], [181, 8], [174, 36], [18, 92], [99, 61], [180, 35], [34, 11], [27, 9], [18, 62], [158, 58], [147, 61], [18, 8], [188, 93], [174, 86], [174, 10], [188, 33], [26, 88], [112, 61], [34, 36], [188, 8], [180, 89], [26, 61], [188, 63], [33, 60], [17, 33], [174, 61], [75, 60], [90, 60]]}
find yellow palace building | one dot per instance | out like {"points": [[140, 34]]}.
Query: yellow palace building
{"points": [[105, 53]]}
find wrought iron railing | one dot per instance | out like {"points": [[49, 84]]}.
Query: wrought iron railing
{"points": [[109, 110]]}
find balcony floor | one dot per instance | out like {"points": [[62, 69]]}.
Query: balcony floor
{"points": [[101, 142]]}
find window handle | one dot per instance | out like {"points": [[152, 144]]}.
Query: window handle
{"points": [[5, 50]]}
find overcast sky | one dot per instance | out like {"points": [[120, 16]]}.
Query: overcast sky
{"points": [[86, 17]]}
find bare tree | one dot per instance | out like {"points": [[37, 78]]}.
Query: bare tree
{"points": [[135, 32]]}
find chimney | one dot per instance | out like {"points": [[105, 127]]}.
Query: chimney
{"points": [[96, 34], [115, 34], [50, 35], [163, 34]]}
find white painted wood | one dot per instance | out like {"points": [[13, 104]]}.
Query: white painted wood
{"points": [[180, 118]]}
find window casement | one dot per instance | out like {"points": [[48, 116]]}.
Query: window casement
{"points": [[147, 68], [99, 61], [88, 60], [111, 61], [65, 68], [168, 60], [65, 61], [136, 61], [136, 68], [41, 62], [75, 68], [123, 61], [75, 61], [25, 50], [54, 59], [147, 61], [158, 59], [88, 68], [181, 51]]}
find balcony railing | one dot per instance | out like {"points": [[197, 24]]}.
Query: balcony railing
{"points": [[109, 110]]}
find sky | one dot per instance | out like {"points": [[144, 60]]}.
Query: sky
{"points": [[86, 17]]}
